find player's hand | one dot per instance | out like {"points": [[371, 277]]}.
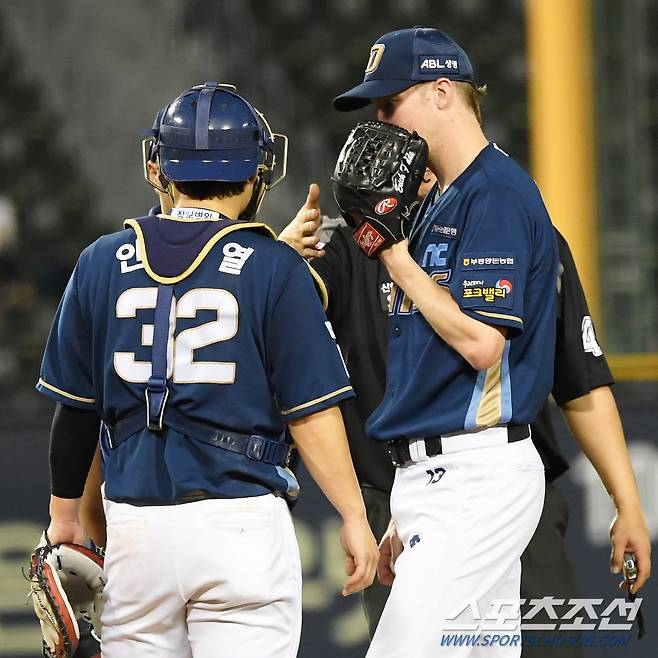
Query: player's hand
{"points": [[390, 548], [629, 534], [65, 523], [301, 233], [360, 554], [61, 531]]}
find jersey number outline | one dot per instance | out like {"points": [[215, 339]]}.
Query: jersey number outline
{"points": [[181, 366]]}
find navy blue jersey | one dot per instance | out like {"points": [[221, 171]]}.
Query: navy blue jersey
{"points": [[489, 239], [248, 351]]}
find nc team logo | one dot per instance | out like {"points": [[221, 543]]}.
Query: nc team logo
{"points": [[504, 284], [386, 205], [376, 53]]}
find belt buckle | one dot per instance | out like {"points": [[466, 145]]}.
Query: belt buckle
{"points": [[290, 453], [270, 452], [255, 447]]}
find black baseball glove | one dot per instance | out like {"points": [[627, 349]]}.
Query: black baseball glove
{"points": [[376, 181]]}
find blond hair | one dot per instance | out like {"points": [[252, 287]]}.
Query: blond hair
{"points": [[473, 96]]}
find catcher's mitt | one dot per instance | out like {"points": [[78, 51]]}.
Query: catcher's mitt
{"points": [[66, 585], [376, 181]]}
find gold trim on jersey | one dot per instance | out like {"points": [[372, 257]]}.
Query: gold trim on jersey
{"points": [[320, 287], [310, 403], [501, 316], [132, 223], [65, 394], [491, 403]]}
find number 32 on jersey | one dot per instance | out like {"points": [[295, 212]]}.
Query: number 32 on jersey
{"points": [[181, 366]]}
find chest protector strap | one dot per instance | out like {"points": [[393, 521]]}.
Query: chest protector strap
{"points": [[167, 268], [156, 389], [273, 451]]}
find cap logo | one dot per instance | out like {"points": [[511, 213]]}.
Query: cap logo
{"points": [[431, 63], [376, 53]]}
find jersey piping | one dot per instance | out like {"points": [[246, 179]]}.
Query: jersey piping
{"points": [[45, 384], [310, 403]]}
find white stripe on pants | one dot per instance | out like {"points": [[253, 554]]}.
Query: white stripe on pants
{"points": [[210, 579], [469, 528]]}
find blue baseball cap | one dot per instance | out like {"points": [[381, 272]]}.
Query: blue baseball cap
{"points": [[398, 60]]}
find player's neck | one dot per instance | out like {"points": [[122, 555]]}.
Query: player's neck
{"points": [[230, 207], [456, 150]]}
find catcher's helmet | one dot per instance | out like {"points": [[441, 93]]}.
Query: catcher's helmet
{"points": [[149, 142], [210, 133]]}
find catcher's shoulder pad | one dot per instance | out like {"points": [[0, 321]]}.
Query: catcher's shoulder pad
{"points": [[172, 249], [66, 582]]}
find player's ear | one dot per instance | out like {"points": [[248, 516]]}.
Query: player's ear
{"points": [[153, 171], [443, 93]]}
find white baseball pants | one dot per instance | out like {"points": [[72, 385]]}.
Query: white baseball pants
{"points": [[208, 579], [463, 532]]}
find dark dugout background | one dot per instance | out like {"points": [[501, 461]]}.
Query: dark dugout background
{"points": [[81, 78]]}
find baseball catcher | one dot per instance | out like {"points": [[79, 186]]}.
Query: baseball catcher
{"points": [[376, 181], [167, 463], [66, 585]]}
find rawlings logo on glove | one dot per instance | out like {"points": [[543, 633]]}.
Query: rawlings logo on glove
{"points": [[66, 585], [376, 182], [386, 205]]}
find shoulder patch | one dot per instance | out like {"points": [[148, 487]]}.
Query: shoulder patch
{"points": [[488, 261], [483, 290]]}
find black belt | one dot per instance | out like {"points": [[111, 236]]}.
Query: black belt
{"points": [[258, 448], [400, 454]]}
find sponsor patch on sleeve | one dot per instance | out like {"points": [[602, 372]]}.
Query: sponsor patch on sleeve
{"points": [[486, 290], [490, 261]]}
